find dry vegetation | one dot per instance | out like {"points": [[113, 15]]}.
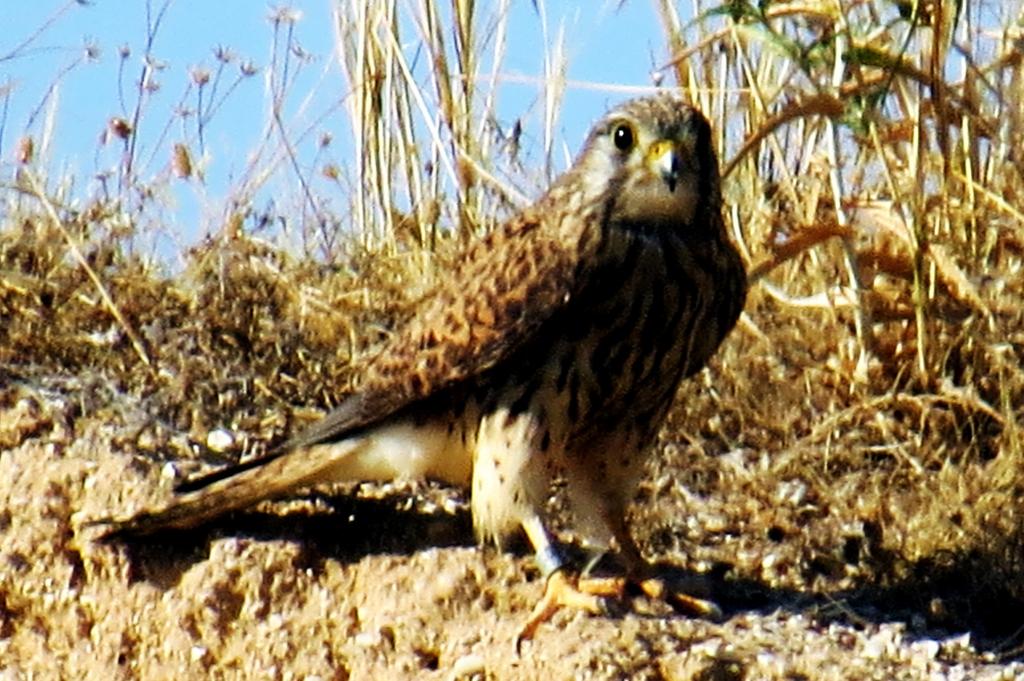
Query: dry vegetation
{"points": [[854, 453]]}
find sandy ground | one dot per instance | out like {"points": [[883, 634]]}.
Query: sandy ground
{"points": [[384, 583]]}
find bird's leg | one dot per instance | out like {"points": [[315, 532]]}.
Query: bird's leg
{"points": [[563, 588], [568, 589]]}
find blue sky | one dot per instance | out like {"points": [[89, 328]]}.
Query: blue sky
{"points": [[605, 45]]}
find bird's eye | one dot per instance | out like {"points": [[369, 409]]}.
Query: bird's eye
{"points": [[623, 136]]}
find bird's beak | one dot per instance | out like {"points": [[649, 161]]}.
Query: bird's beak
{"points": [[663, 158]]}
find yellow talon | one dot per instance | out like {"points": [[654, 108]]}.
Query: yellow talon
{"points": [[564, 590], [567, 590]]}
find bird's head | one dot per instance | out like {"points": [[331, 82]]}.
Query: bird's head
{"points": [[652, 163]]}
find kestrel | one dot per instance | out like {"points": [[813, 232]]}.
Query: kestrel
{"points": [[554, 352]]}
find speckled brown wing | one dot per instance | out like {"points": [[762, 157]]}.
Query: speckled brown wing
{"points": [[510, 283], [507, 286]]}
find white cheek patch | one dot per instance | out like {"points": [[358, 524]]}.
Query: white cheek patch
{"points": [[600, 169]]}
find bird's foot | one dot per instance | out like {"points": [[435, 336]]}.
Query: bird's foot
{"points": [[656, 589], [567, 590]]}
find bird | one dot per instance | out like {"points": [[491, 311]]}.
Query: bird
{"points": [[552, 353]]}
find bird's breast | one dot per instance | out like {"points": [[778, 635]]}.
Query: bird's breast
{"points": [[650, 315]]}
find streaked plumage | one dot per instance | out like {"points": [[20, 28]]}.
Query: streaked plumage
{"points": [[553, 352]]}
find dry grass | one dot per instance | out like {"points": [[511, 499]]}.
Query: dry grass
{"points": [[870, 403]]}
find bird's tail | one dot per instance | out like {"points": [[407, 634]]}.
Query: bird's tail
{"points": [[236, 487]]}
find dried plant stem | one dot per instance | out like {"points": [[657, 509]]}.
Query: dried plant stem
{"points": [[51, 212]]}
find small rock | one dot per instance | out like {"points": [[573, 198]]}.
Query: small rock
{"points": [[219, 440], [468, 666]]}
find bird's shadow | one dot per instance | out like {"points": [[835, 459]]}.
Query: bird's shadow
{"points": [[341, 528], [931, 600], [346, 529]]}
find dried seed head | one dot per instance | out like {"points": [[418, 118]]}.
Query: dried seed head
{"points": [[26, 150], [223, 54], [119, 127], [181, 161], [200, 76], [285, 15]]}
